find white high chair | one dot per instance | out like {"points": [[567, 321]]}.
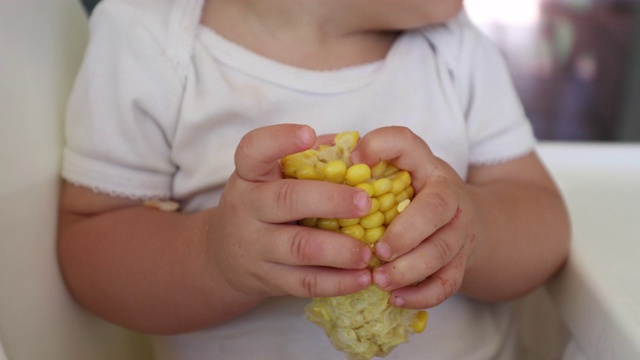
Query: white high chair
{"points": [[41, 44]]}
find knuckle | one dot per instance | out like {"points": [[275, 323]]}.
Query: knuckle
{"points": [[243, 149], [404, 133], [442, 250], [442, 291], [448, 286], [309, 285], [439, 204], [452, 286], [301, 246], [285, 195]]}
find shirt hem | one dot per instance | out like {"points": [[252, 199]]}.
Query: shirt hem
{"points": [[114, 180]]}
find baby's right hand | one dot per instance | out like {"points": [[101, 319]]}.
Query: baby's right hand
{"points": [[253, 239]]}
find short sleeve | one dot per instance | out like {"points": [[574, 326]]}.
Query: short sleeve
{"points": [[122, 112], [497, 126]]}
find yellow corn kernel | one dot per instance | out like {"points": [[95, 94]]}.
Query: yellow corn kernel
{"points": [[375, 206], [291, 165], [421, 322], [402, 196], [309, 154], [387, 201], [404, 175], [309, 173], [410, 191], [162, 205], [366, 187], [371, 236], [398, 185], [335, 171], [403, 205], [309, 222], [372, 220], [390, 215], [381, 186], [328, 224], [348, 222], [377, 170], [357, 174], [375, 262], [355, 231], [390, 170], [347, 140]]}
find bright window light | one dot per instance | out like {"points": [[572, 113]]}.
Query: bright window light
{"points": [[507, 12]]}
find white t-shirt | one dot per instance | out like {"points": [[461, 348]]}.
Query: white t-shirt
{"points": [[161, 102]]}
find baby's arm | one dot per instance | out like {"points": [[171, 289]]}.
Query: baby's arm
{"points": [[170, 272], [494, 237], [525, 225]]}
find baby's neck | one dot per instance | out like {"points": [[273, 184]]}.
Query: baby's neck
{"points": [[291, 32]]}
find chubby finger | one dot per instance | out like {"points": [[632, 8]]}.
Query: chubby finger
{"points": [[257, 155], [400, 145], [313, 281], [299, 245], [291, 199], [435, 289], [434, 207], [426, 259]]}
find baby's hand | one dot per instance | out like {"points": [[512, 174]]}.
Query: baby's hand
{"points": [[254, 241], [428, 246]]}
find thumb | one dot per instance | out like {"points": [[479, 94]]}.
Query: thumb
{"points": [[259, 151], [402, 147]]}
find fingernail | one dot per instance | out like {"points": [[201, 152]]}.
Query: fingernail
{"points": [[362, 201], [381, 279], [364, 280], [305, 135], [398, 301], [383, 251]]}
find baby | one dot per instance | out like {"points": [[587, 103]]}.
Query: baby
{"points": [[196, 101]]}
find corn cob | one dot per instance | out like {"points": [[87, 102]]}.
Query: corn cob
{"points": [[363, 324]]}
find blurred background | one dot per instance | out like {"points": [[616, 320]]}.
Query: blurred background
{"points": [[575, 63]]}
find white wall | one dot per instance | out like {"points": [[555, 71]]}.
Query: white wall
{"points": [[41, 43]]}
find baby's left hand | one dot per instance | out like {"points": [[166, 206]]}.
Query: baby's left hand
{"points": [[428, 247]]}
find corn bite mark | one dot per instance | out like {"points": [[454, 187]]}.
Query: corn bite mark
{"points": [[363, 324]]}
